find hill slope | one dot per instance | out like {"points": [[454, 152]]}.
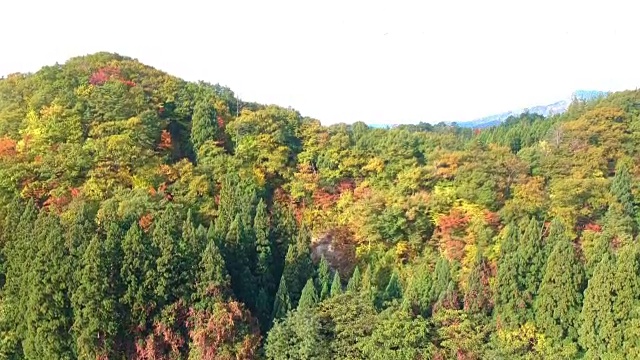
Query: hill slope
{"points": [[146, 217]]}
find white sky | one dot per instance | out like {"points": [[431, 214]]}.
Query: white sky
{"points": [[391, 62]]}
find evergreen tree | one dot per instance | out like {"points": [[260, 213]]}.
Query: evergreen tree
{"points": [[531, 264], [264, 268], [212, 280], [242, 280], [264, 311], [626, 302], [441, 278], [284, 230], [169, 284], [559, 300], [309, 296], [369, 288], [78, 237], [324, 278], [449, 299], [191, 246], [204, 124], [94, 304], [290, 271], [508, 298], [355, 280], [304, 265], [282, 303], [557, 232], [138, 275], [621, 189], [48, 313], [20, 252], [393, 291], [336, 285], [598, 320], [619, 223], [477, 298], [418, 296]]}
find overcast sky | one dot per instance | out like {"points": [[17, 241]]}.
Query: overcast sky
{"points": [[344, 61]]}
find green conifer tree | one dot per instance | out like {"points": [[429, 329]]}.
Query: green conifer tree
{"points": [[354, 282], [418, 296], [508, 299], [169, 284], [94, 303], [204, 124], [531, 264], [621, 189], [190, 248], [138, 275], [626, 337], [441, 278], [393, 291], [290, 270], [559, 300], [304, 265], [212, 280], [598, 320], [324, 278], [284, 230], [336, 285], [48, 313], [264, 267], [309, 296], [282, 303], [477, 298]]}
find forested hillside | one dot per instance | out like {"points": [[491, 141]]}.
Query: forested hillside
{"points": [[145, 217]]}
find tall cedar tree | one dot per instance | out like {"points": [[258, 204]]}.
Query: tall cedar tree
{"points": [[324, 278], [95, 322], [282, 302], [559, 300], [598, 320], [477, 298], [237, 262], [441, 279], [212, 280], [627, 301], [621, 190], [48, 313], [393, 291], [78, 237], [264, 267], [418, 297], [169, 284], [304, 265], [191, 246], [531, 264], [138, 276], [309, 296], [20, 252], [336, 285], [355, 280], [508, 298], [204, 124], [283, 232]]}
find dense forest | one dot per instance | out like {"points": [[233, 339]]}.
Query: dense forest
{"points": [[146, 217]]}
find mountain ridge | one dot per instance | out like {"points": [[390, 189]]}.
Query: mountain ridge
{"points": [[555, 108]]}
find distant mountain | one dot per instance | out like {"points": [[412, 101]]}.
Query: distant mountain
{"points": [[545, 110]]}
